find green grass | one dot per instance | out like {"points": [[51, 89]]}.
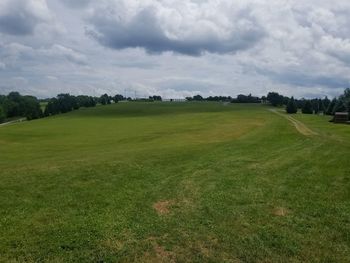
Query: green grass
{"points": [[235, 183]]}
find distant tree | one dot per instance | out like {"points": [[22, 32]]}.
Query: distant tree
{"points": [[65, 102], [155, 98], [118, 97], [347, 93], [16, 105], [2, 99], [315, 106], [32, 108], [348, 107], [105, 99], [85, 101], [219, 98], [11, 108], [321, 107], [291, 106], [331, 105], [346, 99], [325, 103], [307, 107], [2, 115], [246, 99], [198, 98], [52, 107], [339, 107], [275, 99]]}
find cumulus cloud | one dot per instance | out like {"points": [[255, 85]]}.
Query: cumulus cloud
{"points": [[175, 48], [184, 27], [20, 17]]}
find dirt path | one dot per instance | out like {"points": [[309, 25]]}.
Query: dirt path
{"points": [[301, 127]]}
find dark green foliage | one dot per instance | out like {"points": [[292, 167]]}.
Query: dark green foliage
{"points": [[118, 97], [2, 115], [66, 103], [291, 106], [331, 106], [155, 98], [32, 109], [105, 99], [321, 107], [275, 99], [325, 103], [86, 101], [219, 98], [16, 105], [195, 98], [307, 107], [339, 107], [315, 106], [347, 93], [52, 107], [246, 99]]}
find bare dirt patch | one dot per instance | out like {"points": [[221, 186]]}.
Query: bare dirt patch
{"points": [[163, 207], [280, 211], [157, 253]]}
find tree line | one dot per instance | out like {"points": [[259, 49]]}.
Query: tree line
{"points": [[312, 106], [307, 106], [15, 105]]}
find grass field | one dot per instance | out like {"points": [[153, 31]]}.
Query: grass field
{"points": [[175, 182]]}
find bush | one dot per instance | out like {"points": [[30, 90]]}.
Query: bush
{"points": [[291, 106], [2, 115], [307, 107]]}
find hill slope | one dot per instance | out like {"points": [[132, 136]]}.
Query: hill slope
{"points": [[174, 182]]}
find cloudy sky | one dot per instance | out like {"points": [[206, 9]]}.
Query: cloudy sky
{"points": [[175, 48]]}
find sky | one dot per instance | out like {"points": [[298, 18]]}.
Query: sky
{"points": [[175, 48]]}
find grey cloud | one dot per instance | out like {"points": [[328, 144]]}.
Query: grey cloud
{"points": [[20, 17], [17, 25], [144, 31], [76, 3], [297, 78]]}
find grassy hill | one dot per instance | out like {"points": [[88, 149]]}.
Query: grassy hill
{"points": [[183, 182]]}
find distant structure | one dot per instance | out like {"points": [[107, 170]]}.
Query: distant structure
{"points": [[341, 117]]}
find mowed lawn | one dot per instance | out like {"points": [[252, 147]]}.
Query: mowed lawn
{"points": [[174, 182]]}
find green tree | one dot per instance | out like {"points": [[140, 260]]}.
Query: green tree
{"points": [[291, 106], [307, 107], [275, 99], [339, 107], [2, 115], [118, 98], [321, 107], [32, 109], [331, 106], [105, 99]]}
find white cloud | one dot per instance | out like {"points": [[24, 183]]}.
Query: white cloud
{"points": [[176, 48]]}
